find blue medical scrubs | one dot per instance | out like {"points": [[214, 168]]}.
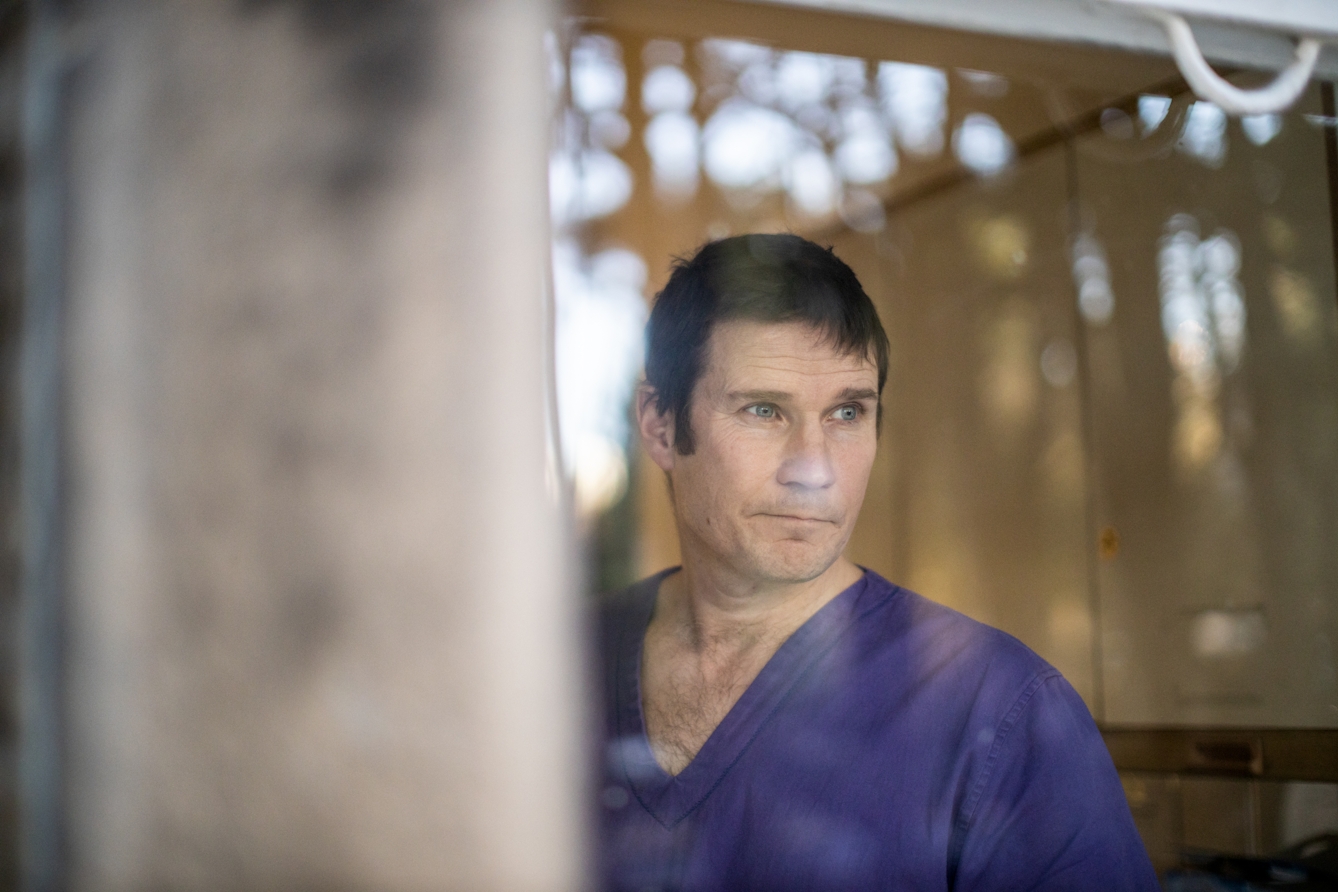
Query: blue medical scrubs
{"points": [[890, 743]]}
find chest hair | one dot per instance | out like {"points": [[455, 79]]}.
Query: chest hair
{"points": [[687, 691]]}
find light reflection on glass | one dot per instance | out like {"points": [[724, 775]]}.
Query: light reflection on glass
{"points": [[1003, 244], [587, 181], [1227, 633], [1203, 320], [772, 114], [1117, 124], [586, 185], [672, 137], [1296, 305], [1260, 129], [984, 83], [1280, 236], [598, 302], [803, 79], [1204, 136], [672, 141], [1059, 363], [557, 71], [1091, 273], [982, 145], [865, 155], [862, 211], [811, 183], [598, 81], [746, 145], [1152, 110], [600, 314], [915, 99], [609, 129], [1009, 381], [667, 88]]}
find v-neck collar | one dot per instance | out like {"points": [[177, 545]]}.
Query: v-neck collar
{"points": [[671, 798]]}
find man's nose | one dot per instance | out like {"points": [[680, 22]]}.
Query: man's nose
{"points": [[807, 463]]}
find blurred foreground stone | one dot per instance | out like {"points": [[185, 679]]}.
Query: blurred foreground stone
{"points": [[298, 609]]}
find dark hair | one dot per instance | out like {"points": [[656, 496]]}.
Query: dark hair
{"points": [[766, 278]]}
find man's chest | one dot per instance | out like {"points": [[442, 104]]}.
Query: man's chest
{"points": [[816, 800], [685, 697]]}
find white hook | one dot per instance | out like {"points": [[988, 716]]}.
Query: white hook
{"points": [[1208, 84]]}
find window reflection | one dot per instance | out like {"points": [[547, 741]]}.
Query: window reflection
{"points": [[586, 184], [984, 83], [982, 145], [1203, 320], [1152, 110], [748, 146], [1227, 633], [915, 99], [827, 129], [598, 299], [598, 82], [1296, 305], [586, 179], [667, 88], [1091, 275], [672, 141], [1204, 136], [1212, 609], [1260, 129], [600, 315]]}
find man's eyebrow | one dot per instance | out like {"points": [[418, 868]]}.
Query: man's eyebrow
{"points": [[759, 396], [777, 396]]}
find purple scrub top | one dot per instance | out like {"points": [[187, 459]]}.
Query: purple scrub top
{"points": [[890, 743]]}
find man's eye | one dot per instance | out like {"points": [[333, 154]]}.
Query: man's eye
{"points": [[848, 413], [763, 411]]}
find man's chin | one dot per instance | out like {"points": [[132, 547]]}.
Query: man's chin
{"points": [[794, 562]]}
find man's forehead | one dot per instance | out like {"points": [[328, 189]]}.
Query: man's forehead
{"points": [[743, 346]]}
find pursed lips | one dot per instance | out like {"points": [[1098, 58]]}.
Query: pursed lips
{"points": [[795, 517]]}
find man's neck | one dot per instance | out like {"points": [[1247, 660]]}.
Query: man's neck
{"points": [[709, 608], [709, 637]]}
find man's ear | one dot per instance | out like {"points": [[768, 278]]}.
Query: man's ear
{"points": [[656, 428]]}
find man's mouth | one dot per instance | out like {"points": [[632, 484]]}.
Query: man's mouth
{"points": [[801, 518]]}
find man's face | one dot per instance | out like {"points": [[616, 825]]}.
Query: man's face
{"points": [[785, 430]]}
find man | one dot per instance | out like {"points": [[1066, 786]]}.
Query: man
{"points": [[779, 718]]}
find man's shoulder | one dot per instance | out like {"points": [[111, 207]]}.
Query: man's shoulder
{"points": [[622, 615], [634, 598], [940, 640]]}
